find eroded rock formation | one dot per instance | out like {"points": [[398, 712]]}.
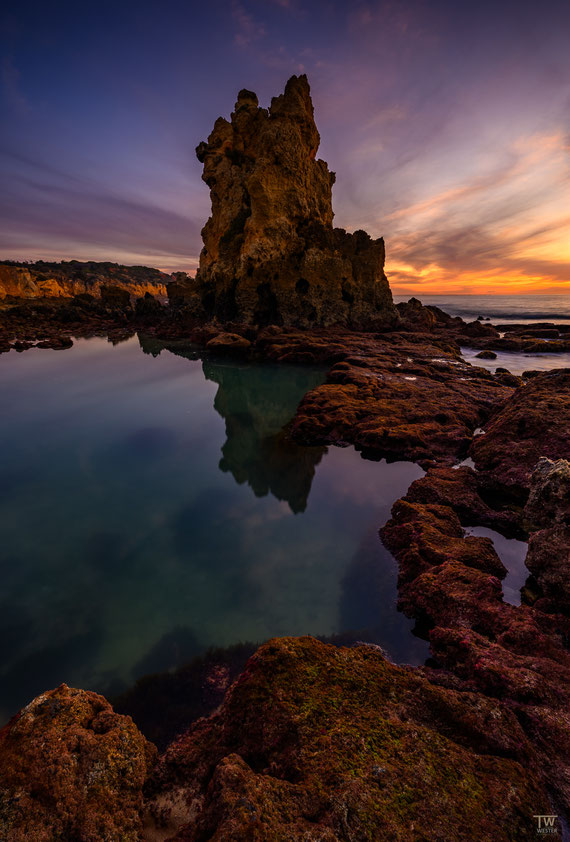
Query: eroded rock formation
{"points": [[271, 254], [535, 422], [451, 583]]}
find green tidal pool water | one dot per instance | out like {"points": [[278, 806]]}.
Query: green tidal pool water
{"points": [[151, 507]]}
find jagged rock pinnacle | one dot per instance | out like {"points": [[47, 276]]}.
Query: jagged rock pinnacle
{"points": [[271, 254]]}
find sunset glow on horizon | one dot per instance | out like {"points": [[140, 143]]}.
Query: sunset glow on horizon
{"points": [[448, 126]]}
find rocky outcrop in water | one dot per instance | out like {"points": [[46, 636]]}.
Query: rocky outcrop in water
{"points": [[450, 583], [271, 254], [339, 745]]}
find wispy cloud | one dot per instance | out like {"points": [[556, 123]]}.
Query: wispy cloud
{"points": [[511, 221], [448, 129], [248, 28], [44, 206]]}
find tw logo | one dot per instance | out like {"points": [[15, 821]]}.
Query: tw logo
{"points": [[546, 824]]}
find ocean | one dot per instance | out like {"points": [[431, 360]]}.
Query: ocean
{"points": [[524, 309]]}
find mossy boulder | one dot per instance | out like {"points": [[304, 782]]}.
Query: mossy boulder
{"points": [[315, 742], [72, 769]]}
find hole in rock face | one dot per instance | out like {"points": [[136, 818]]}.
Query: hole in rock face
{"points": [[267, 312], [347, 295], [227, 304], [302, 286], [209, 301]]}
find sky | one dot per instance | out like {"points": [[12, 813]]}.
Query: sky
{"points": [[446, 121]]}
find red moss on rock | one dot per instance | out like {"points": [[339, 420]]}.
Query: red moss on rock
{"points": [[319, 743], [533, 423], [71, 768], [405, 397], [513, 653]]}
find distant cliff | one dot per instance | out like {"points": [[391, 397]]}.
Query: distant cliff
{"points": [[68, 278]]}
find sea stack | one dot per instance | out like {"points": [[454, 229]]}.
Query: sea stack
{"points": [[271, 254]]}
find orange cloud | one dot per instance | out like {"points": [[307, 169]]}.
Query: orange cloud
{"points": [[503, 230], [434, 280]]}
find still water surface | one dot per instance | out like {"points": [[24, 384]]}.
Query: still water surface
{"points": [[152, 508]]}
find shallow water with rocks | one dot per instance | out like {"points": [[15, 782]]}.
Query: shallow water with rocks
{"points": [[153, 508]]}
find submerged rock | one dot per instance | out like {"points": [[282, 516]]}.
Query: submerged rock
{"points": [[71, 768], [271, 254]]}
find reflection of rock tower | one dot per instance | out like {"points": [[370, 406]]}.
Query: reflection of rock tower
{"points": [[271, 254], [255, 407]]}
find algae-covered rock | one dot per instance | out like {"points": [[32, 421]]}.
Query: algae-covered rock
{"points": [[533, 423], [320, 743], [549, 499], [514, 653], [72, 769], [548, 511]]}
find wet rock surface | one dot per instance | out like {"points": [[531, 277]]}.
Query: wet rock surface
{"points": [[548, 512], [394, 396], [314, 742], [321, 743], [516, 654]]}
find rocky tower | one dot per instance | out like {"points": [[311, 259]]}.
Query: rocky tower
{"points": [[271, 254]]}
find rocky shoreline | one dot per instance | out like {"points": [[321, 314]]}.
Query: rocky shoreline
{"points": [[307, 740], [314, 741]]}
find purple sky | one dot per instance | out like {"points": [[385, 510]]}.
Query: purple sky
{"points": [[447, 123]]}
